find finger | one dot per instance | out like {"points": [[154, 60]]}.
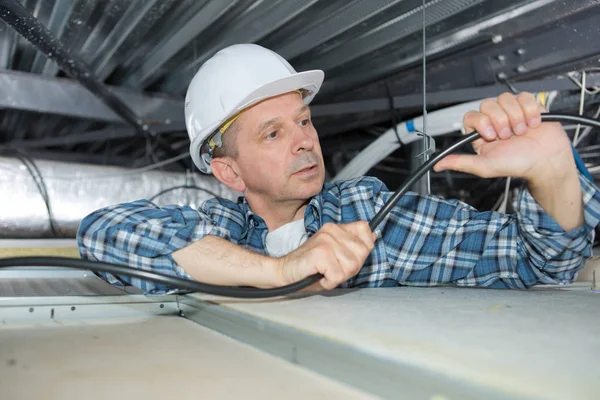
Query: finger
{"points": [[515, 112], [465, 163], [498, 117], [476, 121], [477, 144], [531, 108], [353, 252], [362, 231], [340, 266], [329, 267], [360, 246], [349, 251]]}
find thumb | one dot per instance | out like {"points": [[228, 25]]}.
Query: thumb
{"points": [[470, 164]]}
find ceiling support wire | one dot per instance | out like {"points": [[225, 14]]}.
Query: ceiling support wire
{"points": [[425, 141]]}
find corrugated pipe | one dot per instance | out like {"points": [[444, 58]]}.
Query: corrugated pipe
{"points": [[75, 190]]}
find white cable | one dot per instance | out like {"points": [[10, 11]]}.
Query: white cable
{"points": [[550, 97], [587, 129], [581, 105], [440, 122], [502, 208], [579, 85]]}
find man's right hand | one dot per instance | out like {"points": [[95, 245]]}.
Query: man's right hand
{"points": [[338, 252]]}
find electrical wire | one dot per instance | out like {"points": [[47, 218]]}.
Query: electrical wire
{"points": [[125, 173], [184, 284], [248, 292], [392, 110], [587, 129], [423, 169], [426, 143], [182, 187], [31, 166], [42, 188], [504, 202], [582, 86], [581, 107]]}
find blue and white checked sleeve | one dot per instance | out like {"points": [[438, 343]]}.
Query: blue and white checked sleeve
{"points": [[142, 235], [431, 241]]}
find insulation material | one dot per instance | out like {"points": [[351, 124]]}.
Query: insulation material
{"points": [[75, 190]]}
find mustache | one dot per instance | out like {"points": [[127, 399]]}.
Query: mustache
{"points": [[303, 161]]}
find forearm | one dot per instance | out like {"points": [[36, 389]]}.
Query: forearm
{"points": [[559, 194], [217, 261]]}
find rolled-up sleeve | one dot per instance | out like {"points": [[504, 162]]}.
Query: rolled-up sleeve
{"points": [[555, 255], [142, 235], [431, 241]]}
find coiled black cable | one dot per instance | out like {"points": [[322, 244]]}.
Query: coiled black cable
{"points": [[248, 292]]}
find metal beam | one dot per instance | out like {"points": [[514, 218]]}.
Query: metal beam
{"points": [[447, 97], [344, 19], [61, 96], [31, 92], [405, 55], [133, 16], [272, 17], [408, 21], [56, 24], [8, 45], [165, 50], [21, 20]]}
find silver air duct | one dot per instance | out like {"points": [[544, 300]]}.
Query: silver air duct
{"points": [[75, 190]]}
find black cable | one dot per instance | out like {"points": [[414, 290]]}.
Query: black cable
{"points": [[247, 292], [422, 170], [230, 291], [182, 187]]}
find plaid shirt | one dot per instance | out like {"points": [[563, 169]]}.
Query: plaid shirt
{"points": [[424, 241]]}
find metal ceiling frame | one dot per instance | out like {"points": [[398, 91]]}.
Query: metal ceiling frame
{"points": [[39, 94], [159, 44], [170, 46], [17, 16], [62, 96]]}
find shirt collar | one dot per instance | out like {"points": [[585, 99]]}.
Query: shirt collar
{"points": [[249, 216], [312, 214]]}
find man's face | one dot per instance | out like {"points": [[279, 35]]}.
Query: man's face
{"points": [[279, 155]]}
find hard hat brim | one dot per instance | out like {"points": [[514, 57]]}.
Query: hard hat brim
{"points": [[310, 81]]}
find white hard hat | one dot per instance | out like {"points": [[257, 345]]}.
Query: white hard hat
{"points": [[234, 79]]}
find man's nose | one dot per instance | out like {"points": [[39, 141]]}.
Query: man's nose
{"points": [[302, 140]]}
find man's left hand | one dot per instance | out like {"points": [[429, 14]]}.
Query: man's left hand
{"points": [[514, 142]]}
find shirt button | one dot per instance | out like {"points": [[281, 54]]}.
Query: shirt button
{"points": [[254, 223]]}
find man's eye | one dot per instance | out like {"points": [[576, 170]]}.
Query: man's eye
{"points": [[272, 135], [305, 122]]}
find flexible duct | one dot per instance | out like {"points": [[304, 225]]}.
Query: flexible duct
{"points": [[75, 190]]}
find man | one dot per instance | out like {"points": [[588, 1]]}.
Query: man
{"points": [[249, 123]]}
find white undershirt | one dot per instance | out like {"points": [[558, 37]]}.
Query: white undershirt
{"points": [[286, 238]]}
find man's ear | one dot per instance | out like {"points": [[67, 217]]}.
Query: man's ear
{"points": [[225, 170]]}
